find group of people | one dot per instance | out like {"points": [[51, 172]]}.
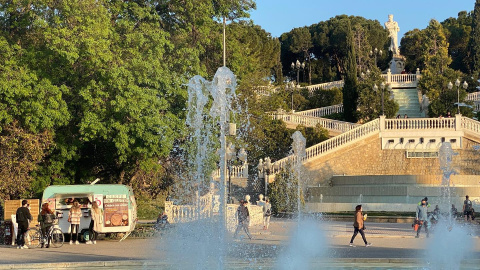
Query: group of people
{"points": [[46, 218], [423, 219]]}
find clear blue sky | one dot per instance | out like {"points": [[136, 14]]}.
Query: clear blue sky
{"points": [[280, 16]]}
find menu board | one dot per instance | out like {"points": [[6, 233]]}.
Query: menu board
{"points": [[115, 209]]}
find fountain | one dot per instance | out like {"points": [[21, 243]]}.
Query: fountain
{"points": [[451, 242], [201, 242]]}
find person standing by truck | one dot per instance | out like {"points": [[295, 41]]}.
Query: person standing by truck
{"points": [[95, 223], [74, 216], [23, 219], [46, 218]]}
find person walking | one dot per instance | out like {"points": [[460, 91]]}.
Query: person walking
{"points": [[421, 217], [74, 218], [242, 215], [23, 217], [467, 209], [359, 226], [46, 219], [267, 212], [95, 223]]}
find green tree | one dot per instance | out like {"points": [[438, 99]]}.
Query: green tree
{"points": [[458, 32], [474, 43], [350, 92], [437, 74]]}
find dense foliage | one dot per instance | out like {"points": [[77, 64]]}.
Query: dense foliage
{"points": [[96, 88]]}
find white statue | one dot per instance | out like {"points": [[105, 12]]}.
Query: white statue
{"points": [[247, 198], [393, 30], [260, 201]]}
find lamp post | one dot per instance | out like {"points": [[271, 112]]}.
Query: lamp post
{"points": [[265, 168], [375, 88], [297, 66], [231, 156], [376, 52], [457, 84]]}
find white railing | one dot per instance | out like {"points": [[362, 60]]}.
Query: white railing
{"points": [[475, 96], [329, 145], [470, 125], [235, 171], [325, 86], [320, 112], [188, 213], [476, 106], [420, 124], [265, 90], [310, 121], [399, 78]]}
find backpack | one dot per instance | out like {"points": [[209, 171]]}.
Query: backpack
{"points": [[468, 205], [48, 219], [268, 212]]}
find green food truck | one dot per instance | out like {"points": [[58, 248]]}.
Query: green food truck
{"points": [[116, 201]]}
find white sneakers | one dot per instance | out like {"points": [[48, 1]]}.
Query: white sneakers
{"points": [[76, 242], [71, 242], [94, 242], [366, 245]]}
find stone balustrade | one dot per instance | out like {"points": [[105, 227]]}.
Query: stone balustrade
{"points": [[189, 213], [475, 96], [325, 86], [235, 171], [321, 112], [419, 124], [331, 144], [265, 91], [311, 121]]}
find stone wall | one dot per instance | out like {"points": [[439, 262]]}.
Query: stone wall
{"points": [[367, 158]]}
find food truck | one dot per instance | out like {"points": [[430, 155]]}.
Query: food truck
{"points": [[116, 201]]}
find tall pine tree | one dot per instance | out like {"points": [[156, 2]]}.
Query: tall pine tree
{"points": [[350, 93], [474, 44]]}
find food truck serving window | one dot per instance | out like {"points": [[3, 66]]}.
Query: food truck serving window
{"points": [[67, 202]]}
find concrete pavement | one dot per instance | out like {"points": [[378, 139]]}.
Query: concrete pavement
{"points": [[393, 245]]}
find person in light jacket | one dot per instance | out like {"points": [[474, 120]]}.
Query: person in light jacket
{"points": [[74, 217], [359, 226], [95, 223]]}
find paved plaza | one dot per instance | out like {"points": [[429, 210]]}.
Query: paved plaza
{"points": [[392, 243]]}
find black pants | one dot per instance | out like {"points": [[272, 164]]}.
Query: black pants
{"points": [[425, 224], [93, 234], [45, 231], [357, 230], [22, 229], [74, 226]]}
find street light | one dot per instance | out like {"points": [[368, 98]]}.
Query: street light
{"points": [[457, 84], [376, 52], [297, 66], [265, 168], [231, 156], [382, 86]]}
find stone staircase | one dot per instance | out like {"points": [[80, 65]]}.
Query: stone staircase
{"points": [[409, 104]]}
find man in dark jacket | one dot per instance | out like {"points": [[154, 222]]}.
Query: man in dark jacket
{"points": [[23, 218], [243, 215]]}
